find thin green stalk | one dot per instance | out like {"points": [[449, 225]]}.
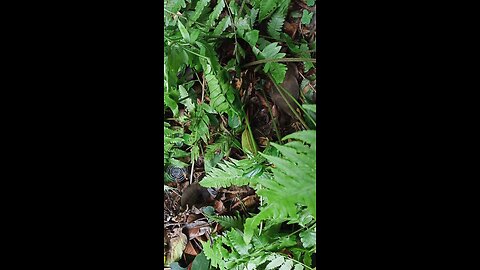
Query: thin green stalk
{"points": [[282, 93], [247, 121]]}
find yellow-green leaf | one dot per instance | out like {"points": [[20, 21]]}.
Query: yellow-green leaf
{"points": [[248, 144], [176, 247]]}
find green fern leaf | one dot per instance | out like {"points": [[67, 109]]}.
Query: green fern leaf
{"points": [[298, 267], [276, 262], [307, 136], [201, 4], [306, 17], [185, 99], [253, 15], [225, 176], [222, 25], [287, 265], [277, 70], [309, 238], [229, 221], [216, 151], [183, 31], [298, 159], [271, 212], [283, 7], [242, 26], [275, 25], [251, 37], [266, 8], [175, 5], [226, 221], [236, 239], [217, 99], [271, 51], [216, 12]]}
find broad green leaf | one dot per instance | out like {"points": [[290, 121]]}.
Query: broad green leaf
{"points": [[183, 31], [200, 262]]}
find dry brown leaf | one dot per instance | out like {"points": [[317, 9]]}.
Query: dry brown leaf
{"points": [[189, 249], [192, 217], [198, 231], [219, 207], [290, 28], [248, 201]]}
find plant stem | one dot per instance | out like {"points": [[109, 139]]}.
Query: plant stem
{"points": [[282, 92]]}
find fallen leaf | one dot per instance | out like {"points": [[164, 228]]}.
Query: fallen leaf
{"points": [[219, 207], [175, 248], [189, 249], [290, 28]]}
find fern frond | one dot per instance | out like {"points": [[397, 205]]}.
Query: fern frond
{"points": [[199, 125], [222, 25], [298, 159], [266, 8], [226, 221], [216, 151], [278, 71], [175, 5], [236, 240], [218, 101], [253, 15], [275, 25], [216, 13], [307, 136], [242, 25], [216, 253], [227, 175], [201, 4]]}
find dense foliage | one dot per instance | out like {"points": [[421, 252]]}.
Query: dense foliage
{"points": [[208, 46]]}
